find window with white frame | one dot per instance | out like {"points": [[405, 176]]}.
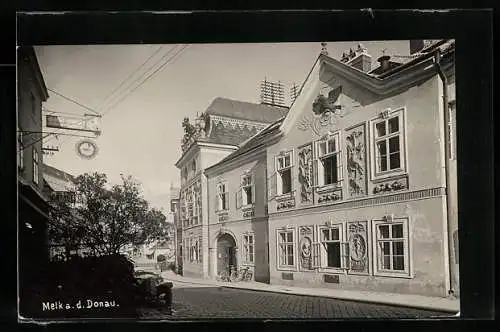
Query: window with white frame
{"points": [[248, 248], [328, 166], [334, 252], [246, 194], [391, 241], [286, 245], [247, 187], [222, 197], [20, 149], [388, 136], [200, 249], [36, 163], [284, 169]]}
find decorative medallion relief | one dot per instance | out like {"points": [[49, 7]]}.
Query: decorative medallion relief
{"points": [[305, 234], [305, 174], [286, 204], [356, 161], [391, 185], [358, 246]]}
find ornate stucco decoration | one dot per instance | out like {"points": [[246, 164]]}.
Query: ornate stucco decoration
{"points": [[391, 185], [358, 247], [286, 204], [356, 161], [192, 132], [305, 174], [326, 113]]}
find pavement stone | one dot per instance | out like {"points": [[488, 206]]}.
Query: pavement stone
{"points": [[204, 301]]}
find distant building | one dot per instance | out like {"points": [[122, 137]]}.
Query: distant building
{"points": [[33, 205], [218, 132], [353, 188]]}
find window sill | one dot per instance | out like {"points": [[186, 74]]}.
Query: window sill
{"points": [[284, 197], [248, 264], [329, 188], [334, 270], [389, 175], [248, 207], [222, 211], [287, 268], [391, 274]]}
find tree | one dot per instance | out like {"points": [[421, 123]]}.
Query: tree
{"points": [[110, 217]]}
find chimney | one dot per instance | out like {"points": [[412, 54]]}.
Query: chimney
{"points": [[359, 59], [384, 62]]}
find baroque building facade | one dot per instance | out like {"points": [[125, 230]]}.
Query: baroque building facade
{"points": [[357, 185], [217, 133], [360, 181]]}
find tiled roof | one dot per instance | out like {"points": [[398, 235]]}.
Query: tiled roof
{"points": [[57, 180], [245, 110], [254, 142], [228, 134]]}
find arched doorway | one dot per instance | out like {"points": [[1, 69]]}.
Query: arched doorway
{"points": [[226, 253]]}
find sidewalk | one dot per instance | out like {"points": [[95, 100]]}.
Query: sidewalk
{"points": [[405, 300]]}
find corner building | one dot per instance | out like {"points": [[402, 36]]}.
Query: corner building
{"points": [[361, 184], [218, 132]]}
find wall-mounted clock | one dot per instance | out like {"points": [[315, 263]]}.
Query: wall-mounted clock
{"points": [[86, 149]]}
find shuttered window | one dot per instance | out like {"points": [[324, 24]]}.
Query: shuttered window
{"points": [[284, 168], [222, 198]]}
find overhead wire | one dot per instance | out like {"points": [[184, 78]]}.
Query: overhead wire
{"points": [[127, 93], [108, 98]]}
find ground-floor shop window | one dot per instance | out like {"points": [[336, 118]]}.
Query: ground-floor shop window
{"points": [[286, 244], [391, 241]]}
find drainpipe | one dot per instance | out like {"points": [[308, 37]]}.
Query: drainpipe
{"points": [[444, 80]]}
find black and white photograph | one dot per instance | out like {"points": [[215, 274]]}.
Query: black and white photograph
{"points": [[308, 180]]}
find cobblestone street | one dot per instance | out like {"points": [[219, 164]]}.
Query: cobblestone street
{"points": [[205, 302]]}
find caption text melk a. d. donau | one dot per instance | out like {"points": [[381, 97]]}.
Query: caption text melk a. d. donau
{"points": [[81, 304]]}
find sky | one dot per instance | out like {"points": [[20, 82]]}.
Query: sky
{"points": [[142, 112]]}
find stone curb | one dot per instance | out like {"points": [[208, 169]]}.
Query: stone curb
{"points": [[452, 307]]}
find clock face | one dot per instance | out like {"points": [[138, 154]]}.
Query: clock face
{"points": [[86, 149]]}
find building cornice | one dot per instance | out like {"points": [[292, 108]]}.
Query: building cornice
{"points": [[247, 156], [363, 202]]}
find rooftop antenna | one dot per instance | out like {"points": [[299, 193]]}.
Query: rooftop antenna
{"points": [[272, 93]]}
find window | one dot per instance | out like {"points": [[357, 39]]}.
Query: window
{"points": [[388, 143], [200, 249], [184, 173], [246, 194], [334, 253], [391, 240], [284, 169], [330, 239], [193, 166], [20, 149], [36, 162], [222, 197], [286, 244], [248, 248], [194, 250], [328, 168]]}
